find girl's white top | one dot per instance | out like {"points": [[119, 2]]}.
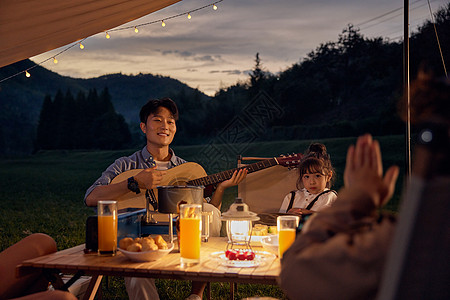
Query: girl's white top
{"points": [[303, 198]]}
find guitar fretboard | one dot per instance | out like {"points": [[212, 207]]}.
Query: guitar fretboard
{"points": [[225, 175]]}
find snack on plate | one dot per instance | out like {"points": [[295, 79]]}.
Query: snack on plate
{"points": [[272, 230], [135, 247], [143, 244], [149, 239], [125, 242], [147, 246], [259, 229], [241, 254], [160, 242]]}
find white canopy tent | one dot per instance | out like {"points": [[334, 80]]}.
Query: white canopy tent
{"points": [[32, 27]]}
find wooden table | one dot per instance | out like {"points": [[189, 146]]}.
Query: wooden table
{"points": [[75, 261]]}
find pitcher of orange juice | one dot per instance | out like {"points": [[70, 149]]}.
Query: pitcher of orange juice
{"points": [[190, 234], [286, 226]]}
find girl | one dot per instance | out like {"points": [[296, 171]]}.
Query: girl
{"points": [[314, 182]]}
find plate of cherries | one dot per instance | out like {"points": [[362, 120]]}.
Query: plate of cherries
{"points": [[242, 258]]}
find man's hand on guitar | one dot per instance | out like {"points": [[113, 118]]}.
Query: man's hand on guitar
{"points": [[237, 177], [149, 178]]}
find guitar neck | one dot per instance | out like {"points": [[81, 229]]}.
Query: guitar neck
{"points": [[225, 175]]}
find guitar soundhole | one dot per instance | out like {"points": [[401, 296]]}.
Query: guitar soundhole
{"points": [[177, 181]]}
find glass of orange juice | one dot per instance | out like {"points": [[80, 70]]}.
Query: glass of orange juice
{"points": [[107, 227], [286, 226], [190, 234]]}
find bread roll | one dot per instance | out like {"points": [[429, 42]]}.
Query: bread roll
{"points": [[135, 247], [147, 246], [125, 242], [148, 239], [160, 242]]}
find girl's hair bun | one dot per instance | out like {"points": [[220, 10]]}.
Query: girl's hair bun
{"points": [[318, 149]]}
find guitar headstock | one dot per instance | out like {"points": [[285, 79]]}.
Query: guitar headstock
{"points": [[290, 161]]}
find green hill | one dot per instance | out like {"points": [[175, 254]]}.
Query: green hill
{"points": [[21, 98]]}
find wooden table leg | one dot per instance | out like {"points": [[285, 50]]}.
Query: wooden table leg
{"points": [[93, 287], [208, 290], [232, 290]]}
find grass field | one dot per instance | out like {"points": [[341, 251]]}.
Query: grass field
{"points": [[44, 193]]}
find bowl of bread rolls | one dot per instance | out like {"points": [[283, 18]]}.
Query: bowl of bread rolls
{"points": [[145, 248]]}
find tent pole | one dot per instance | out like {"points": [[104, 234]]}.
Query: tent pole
{"points": [[406, 88]]}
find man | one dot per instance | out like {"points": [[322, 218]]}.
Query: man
{"points": [[158, 123]]}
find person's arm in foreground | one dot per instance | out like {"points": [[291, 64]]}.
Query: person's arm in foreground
{"points": [[31, 286], [340, 252]]}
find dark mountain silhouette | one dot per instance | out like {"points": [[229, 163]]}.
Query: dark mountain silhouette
{"points": [[21, 98]]}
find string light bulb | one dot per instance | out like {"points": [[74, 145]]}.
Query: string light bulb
{"points": [[108, 36], [136, 30]]}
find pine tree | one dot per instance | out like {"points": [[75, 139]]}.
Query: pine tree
{"points": [[44, 139], [82, 123], [258, 75]]}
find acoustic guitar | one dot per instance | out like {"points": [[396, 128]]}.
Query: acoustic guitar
{"points": [[191, 173]]}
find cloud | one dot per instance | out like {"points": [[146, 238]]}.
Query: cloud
{"points": [[218, 48], [227, 72], [205, 58]]}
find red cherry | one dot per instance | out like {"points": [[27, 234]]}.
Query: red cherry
{"points": [[250, 255], [241, 256], [227, 253], [232, 255]]}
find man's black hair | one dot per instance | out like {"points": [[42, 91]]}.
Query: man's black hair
{"points": [[153, 105]]}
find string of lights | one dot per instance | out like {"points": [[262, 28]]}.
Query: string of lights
{"points": [[108, 36]]}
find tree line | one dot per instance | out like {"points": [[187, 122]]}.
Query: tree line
{"points": [[342, 88], [81, 122]]}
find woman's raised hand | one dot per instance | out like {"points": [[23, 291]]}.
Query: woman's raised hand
{"points": [[364, 171]]}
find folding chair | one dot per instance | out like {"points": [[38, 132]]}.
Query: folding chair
{"points": [[263, 191]]}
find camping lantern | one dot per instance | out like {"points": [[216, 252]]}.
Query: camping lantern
{"points": [[239, 223]]}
